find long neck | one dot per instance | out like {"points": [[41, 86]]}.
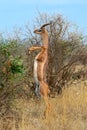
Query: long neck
{"points": [[45, 39]]}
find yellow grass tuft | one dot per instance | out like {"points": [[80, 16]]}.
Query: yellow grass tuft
{"points": [[69, 112]]}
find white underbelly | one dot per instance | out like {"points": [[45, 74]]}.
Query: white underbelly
{"points": [[35, 71]]}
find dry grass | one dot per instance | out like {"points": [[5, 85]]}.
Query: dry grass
{"points": [[69, 112]]}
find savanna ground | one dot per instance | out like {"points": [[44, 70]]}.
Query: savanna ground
{"points": [[69, 111]]}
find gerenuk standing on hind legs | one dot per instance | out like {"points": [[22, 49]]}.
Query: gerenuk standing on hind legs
{"points": [[42, 88]]}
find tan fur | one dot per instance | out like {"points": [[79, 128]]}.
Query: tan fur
{"points": [[41, 59], [44, 88]]}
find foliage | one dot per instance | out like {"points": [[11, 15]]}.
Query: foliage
{"points": [[11, 66], [17, 66], [66, 49], [11, 60]]}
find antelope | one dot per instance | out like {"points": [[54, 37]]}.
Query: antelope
{"points": [[45, 42], [44, 35], [42, 88]]}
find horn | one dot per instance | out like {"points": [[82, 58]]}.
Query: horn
{"points": [[46, 24]]}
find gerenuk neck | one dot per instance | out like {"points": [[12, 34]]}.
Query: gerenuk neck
{"points": [[45, 40]]}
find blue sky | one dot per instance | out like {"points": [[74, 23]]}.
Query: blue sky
{"points": [[20, 12]]}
